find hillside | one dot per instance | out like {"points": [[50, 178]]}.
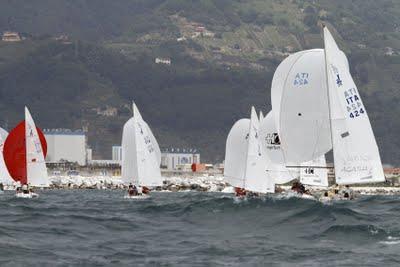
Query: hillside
{"points": [[223, 57]]}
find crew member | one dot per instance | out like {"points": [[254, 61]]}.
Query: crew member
{"points": [[132, 190], [240, 192], [25, 189]]}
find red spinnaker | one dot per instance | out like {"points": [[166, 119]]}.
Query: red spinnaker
{"points": [[14, 152]]}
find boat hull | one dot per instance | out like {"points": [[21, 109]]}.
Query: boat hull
{"points": [[29, 195], [139, 197]]}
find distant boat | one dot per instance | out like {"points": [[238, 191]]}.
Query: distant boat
{"points": [[24, 152], [141, 154], [245, 162]]}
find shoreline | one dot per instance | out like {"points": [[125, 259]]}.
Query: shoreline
{"points": [[204, 183]]}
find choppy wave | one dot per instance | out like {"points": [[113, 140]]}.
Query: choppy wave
{"points": [[99, 227]]}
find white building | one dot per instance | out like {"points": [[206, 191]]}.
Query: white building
{"points": [[66, 145], [175, 158], [117, 153], [166, 61], [89, 154], [11, 37]]}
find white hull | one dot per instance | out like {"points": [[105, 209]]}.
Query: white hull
{"points": [[29, 195], [139, 197], [291, 194]]}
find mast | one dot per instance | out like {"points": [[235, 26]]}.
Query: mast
{"points": [[328, 95], [247, 151]]}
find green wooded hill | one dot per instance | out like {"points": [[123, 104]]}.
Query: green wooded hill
{"points": [[223, 54]]}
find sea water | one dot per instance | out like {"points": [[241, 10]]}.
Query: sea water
{"points": [[101, 228]]}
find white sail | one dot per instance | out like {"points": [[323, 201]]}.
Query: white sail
{"points": [[300, 106], [356, 154], [3, 134], [154, 142], [245, 162], [140, 162], [257, 178], [261, 116], [5, 177], [271, 146], [314, 172], [129, 169], [36, 170], [236, 153]]}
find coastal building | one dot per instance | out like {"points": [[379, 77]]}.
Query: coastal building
{"points": [[11, 37], [177, 158], [389, 51], [107, 111], [64, 145], [89, 154], [117, 153], [165, 61]]}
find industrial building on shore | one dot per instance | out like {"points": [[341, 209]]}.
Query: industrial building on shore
{"points": [[65, 145], [178, 158], [171, 158]]}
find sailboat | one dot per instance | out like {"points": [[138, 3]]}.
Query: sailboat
{"points": [[141, 154], [245, 166], [24, 153], [317, 108]]}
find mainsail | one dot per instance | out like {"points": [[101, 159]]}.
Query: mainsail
{"points": [[236, 153], [257, 178], [245, 162], [140, 156], [300, 106], [356, 154], [271, 147], [36, 170]]}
